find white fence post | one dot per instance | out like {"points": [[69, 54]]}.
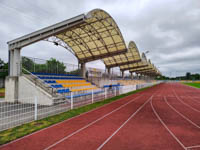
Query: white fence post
{"points": [[71, 100], [36, 107], [116, 91], [92, 96]]}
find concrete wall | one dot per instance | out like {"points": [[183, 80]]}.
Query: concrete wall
{"points": [[11, 86], [127, 88], [100, 82], [20, 89], [28, 90]]}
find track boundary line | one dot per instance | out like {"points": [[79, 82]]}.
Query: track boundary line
{"points": [[108, 139], [185, 103], [162, 122], [183, 116], [195, 146], [91, 123], [191, 87], [26, 136]]}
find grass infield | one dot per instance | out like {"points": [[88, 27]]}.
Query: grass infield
{"points": [[28, 128], [197, 85]]}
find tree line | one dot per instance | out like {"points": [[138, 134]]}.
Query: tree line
{"points": [[50, 66], [188, 76]]}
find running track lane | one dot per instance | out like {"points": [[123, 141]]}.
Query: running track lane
{"points": [[184, 110], [143, 132], [98, 132], [187, 133], [44, 138]]}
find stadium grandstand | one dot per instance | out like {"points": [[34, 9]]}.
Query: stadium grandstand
{"points": [[45, 88]]}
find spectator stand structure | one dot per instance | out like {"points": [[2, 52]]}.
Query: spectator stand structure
{"points": [[89, 37], [31, 95]]}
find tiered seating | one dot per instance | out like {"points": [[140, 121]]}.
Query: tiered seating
{"points": [[130, 82], [67, 83], [134, 82]]}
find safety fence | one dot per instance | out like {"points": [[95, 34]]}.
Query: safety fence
{"points": [[20, 111], [52, 66]]}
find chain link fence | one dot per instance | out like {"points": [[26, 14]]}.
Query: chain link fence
{"points": [[52, 66]]}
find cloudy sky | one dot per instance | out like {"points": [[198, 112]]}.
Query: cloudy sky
{"points": [[169, 29]]}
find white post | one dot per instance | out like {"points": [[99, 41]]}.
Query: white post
{"points": [[92, 96], [116, 91], [35, 108], [105, 93], [71, 100]]}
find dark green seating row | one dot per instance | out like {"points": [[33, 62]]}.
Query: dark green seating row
{"points": [[53, 74]]}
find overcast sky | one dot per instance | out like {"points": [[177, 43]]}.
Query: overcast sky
{"points": [[169, 29]]}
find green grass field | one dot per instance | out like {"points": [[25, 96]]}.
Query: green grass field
{"points": [[2, 92], [197, 85], [25, 129]]}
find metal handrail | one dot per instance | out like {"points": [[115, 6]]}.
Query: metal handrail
{"points": [[36, 78]]}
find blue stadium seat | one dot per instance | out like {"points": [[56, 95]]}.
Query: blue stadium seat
{"points": [[63, 91], [85, 94], [57, 86], [50, 81], [113, 85]]}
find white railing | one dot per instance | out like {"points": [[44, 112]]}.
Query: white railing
{"points": [[26, 110], [20, 111]]}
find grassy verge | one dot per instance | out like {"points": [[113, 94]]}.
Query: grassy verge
{"points": [[2, 92], [197, 85], [25, 129]]}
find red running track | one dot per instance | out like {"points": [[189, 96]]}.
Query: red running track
{"points": [[163, 117]]}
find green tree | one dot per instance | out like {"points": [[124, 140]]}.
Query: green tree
{"points": [[28, 64], [50, 66], [1, 63], [55, 66], [3, 69], [188, 75]]}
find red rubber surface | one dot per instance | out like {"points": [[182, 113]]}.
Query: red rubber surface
{"points": [[163, 117]]}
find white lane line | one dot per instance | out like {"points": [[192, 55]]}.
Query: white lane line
{"points": [[64, 121], [162, 122], [106, 141], [185, 103], [194, 99], [195, 146], [181, 114], [77, 131]]}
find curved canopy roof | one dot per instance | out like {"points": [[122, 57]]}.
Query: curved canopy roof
{"points": [[132, 56], [149, 66], [95, 38], [142, 63]]}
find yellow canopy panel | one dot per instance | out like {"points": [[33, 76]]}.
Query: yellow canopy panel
{"points": [[131, 56], [97, 37], [149, 66]]}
